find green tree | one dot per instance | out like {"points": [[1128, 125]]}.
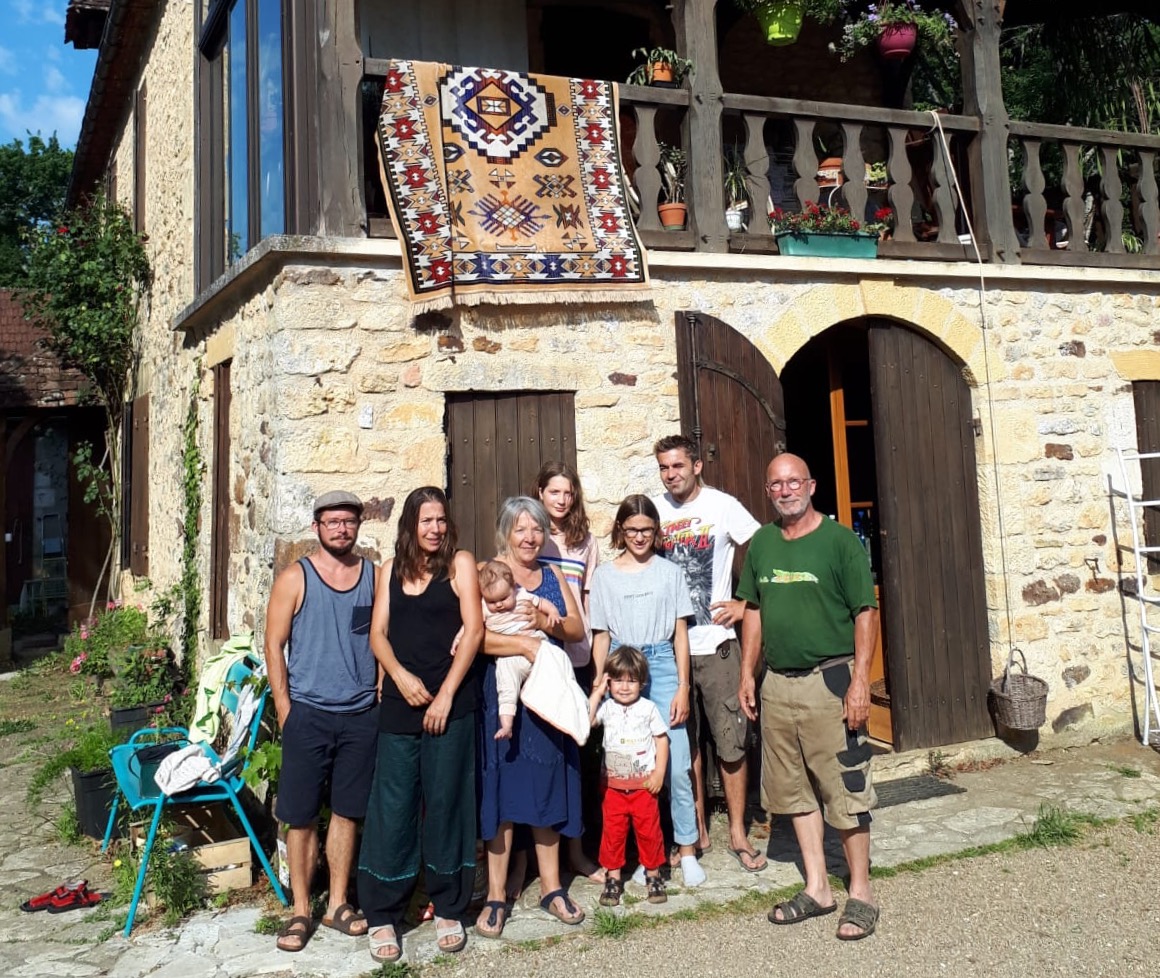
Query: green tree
{"points": [[33, 182]]}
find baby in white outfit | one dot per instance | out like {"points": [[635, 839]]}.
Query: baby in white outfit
{"points": [[503, 614]]}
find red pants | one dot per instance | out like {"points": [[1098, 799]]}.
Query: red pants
{"points": [[639, 809]]}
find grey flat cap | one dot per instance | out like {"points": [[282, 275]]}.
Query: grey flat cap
{"points": [[338, 499]]}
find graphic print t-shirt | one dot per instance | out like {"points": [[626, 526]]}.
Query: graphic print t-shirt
{"points": [[630, 732], [700, 536]]}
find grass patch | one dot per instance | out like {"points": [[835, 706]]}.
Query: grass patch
{"points": [[68, 828], [16, 726], [395, 969], [268, 925], [1125, 770], [1144, 822], [609, 924]]}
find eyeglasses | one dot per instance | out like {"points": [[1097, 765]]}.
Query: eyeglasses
{"points": [[348, 524], [638, 531], [792, 484]]}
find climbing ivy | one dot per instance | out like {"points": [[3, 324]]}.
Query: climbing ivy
{"points": [[193, 472]]}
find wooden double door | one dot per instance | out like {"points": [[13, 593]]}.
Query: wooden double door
{"points": [[883, 417]]}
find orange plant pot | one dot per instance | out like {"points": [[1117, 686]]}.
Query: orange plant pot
{"points": [[673, 216], [662, 71]]}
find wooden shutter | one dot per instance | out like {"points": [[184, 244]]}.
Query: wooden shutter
{"points": [[139, 160], [220, 544], [1146, 394], [496, 445], [139, 497], [935, 612], [126, 541]]}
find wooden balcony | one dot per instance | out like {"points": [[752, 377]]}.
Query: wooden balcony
{"points": [[1088, 197]]}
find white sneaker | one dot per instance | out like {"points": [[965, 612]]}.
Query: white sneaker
{"points": [[638, 876], [691, 870]]}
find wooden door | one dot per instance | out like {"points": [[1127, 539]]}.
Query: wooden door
{"points": [[938, 648], [731, 405], [496, 444]]}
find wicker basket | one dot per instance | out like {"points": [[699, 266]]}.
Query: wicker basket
{"points": [[1020, 699]]}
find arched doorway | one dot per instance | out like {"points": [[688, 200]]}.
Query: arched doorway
{"points": [[883, 416]]}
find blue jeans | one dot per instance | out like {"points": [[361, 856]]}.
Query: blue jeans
{"points": [[661, 688]]}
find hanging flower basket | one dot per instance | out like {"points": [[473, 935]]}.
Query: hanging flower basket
{"points": [[897, 41], [1020, 699], [780, 20]]}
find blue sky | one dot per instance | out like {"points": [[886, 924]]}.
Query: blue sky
{"points": [[44, 83]]}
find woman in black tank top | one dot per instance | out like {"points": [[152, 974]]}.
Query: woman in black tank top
{"points": [[426, 751]]}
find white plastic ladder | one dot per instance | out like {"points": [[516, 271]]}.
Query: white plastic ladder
{"points": [[1147, 600]]}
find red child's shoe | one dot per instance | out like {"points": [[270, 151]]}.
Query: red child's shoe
{"points": [[74, 900]]}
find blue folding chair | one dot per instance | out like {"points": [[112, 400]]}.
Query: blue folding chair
{"points": [[141, 793]]}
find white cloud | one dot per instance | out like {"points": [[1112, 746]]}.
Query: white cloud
{"points": [[61, 114], [52, 53], [54, 82], [7, 62], [38, 11]]}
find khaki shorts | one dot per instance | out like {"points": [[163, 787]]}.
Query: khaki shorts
{"points": [[807, 752], [715, 679]]}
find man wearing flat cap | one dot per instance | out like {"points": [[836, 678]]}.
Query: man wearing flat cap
{"points": [[324, 682]]}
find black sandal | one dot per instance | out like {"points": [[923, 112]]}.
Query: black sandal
{"points": [[613, 890], [656, 889]]}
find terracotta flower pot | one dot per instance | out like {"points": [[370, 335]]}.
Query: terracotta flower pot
{"points": [[673, 216], [897, 41], [662, 72]]}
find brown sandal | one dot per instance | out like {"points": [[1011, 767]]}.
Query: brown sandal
{"points": [[345, 919], [298, 928]]}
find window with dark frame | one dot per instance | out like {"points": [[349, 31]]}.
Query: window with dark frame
{"points": [[1146, 395], [241, 130], [496, 444], [220, 545]]}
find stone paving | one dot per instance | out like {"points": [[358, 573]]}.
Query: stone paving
{"points": [[998, 802]]}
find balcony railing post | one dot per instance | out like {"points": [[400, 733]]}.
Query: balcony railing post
{"points": [[983, 96], [696, 32]]}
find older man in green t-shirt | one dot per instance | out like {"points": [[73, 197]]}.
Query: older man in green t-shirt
{"points": [[810, 610]]}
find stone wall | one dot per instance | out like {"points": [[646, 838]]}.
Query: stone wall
{"points": [[168, 369], [335, 385]]}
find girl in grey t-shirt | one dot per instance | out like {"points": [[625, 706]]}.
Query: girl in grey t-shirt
{"points": [[643, 600]]}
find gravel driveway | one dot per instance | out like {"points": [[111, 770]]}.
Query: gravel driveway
{"points": [[1088, 909]]}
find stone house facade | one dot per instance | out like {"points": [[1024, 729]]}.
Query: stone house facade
{"points": [[306, 371]]}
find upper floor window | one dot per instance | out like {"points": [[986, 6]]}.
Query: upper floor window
{"points": [[242, 181]]}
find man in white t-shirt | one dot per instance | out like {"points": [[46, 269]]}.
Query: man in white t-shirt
{"points": [[701, 528]]}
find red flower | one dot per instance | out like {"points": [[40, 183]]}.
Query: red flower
{"points": [[883, 214]]}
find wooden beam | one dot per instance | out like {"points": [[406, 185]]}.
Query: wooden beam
{"points": [[987, 152], [337, 123], [695, 22]]}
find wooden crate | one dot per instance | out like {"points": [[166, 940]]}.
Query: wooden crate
{"points": [[221, 849]]}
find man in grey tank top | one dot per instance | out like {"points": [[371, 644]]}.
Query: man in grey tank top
{"points": [[324, 681]]}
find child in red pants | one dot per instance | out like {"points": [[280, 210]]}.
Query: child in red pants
{"points": [[636, 753]]}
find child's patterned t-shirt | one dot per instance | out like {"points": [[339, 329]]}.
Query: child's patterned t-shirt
{"points": [[630, 752]]}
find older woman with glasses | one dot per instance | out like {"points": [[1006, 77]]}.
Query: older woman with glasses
{"points": [[532, 779], [643, 600]]}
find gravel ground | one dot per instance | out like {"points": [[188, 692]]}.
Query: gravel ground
{"points": [[1088, 909]]}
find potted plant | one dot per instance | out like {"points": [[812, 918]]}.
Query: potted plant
{"points": [[894, 27], [736, 190], [674, 165], [143, 681], [92, 778], [660, 66], [824, 232], [877, 176], [781, 20]]}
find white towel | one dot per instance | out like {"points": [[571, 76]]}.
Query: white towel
{"points": [[551, 692], [184, 769]]}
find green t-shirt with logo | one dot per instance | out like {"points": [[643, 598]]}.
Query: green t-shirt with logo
{"points": [[809, 591]]}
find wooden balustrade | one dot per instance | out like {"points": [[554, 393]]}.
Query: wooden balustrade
{"points": [[1079, 220], [1092, 173], [911, 192]]}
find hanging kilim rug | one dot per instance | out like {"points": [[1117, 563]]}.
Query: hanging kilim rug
{"points": [[507, 187]]}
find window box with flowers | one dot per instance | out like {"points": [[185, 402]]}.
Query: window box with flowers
{"points": [[894, 27], [825, 232]]}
